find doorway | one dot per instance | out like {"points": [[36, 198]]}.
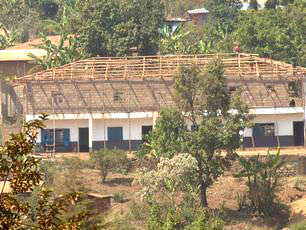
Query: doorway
{"points": [[145, 130], [84, 139], [298, 133]]}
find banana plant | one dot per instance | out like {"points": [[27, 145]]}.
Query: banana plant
{"points": [[7, 39], [60, 54]]}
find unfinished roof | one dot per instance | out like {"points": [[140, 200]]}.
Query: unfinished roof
{"points": [[236, 66], [145, 84], [198, 11]]}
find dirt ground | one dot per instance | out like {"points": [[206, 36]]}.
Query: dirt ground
{"points": [[222, 196], [298, 151]]}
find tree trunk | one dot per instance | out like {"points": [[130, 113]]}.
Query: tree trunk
{"points": [[203, 196], [203, 187]]}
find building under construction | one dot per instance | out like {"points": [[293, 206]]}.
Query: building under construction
{"points": [[107, 102]]}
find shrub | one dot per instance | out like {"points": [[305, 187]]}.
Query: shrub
{"points": [[139, 211], [171, 177], [119, 197], [299, 226], [241, 199], [64, 175], [262, 180], [300, 183], [206, 221], [170, 218], [109, 160]]}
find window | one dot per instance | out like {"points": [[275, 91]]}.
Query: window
{"points": [[232, 89], [145, 130], [58, 97], [118, 96], [115, 133], [293, 88], [270, 88], [265, 130], [62, 137]]}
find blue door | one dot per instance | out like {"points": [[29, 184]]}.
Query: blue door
{"points": [[115, 133]]}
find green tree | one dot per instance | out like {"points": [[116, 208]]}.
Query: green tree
{"points": [[216, 117], [186, 39], [109, 160], [263, 174], [253, 5], [166, 143], [223, 12], [20, 171], [62, 53], [112, 27], [6, 39], [271, 4], [278, 34]]}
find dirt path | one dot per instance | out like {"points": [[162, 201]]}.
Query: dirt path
{"points": [[298, 209]]}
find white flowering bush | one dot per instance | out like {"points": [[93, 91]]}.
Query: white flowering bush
{"points": [[172, 176]]}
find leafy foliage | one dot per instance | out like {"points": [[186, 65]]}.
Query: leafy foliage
{"points": [[171, 177], [278, 34], [7, 39], [112, 27], [215, 127], [185, 40], [62, 53], [169, 218], [253, 5], [223, 12], [20, 170], [109, 160], [168, 143], [262, 180]]}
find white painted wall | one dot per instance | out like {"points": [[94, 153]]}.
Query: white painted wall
{"points": [[73, 125], [135, 133], [100, 127], [283, 123]]}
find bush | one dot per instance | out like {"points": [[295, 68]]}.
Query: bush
{"points": [[262, 181], [170, 218], [299, 226], [171, 178], [109, 160], [138, 211], [64, 175], [119, 197]]}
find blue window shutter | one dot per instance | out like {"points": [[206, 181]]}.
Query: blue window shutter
{"points": [[47, 136], [115, 133], [43, 136], [257, 131], [66, 137]]}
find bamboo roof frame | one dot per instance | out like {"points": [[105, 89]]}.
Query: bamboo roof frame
{"points": [[150, 67]]}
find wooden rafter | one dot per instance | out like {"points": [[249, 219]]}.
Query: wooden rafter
{"points": [[150, 67]]}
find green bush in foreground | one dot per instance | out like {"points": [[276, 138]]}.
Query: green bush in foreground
{"points": [[262, 180], [171, 218], [109, 160], [299, 226]]}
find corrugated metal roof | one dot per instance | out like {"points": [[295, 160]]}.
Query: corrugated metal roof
{"points": [[55, 39], [20, 55], [198, 11], [173, 19]]}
